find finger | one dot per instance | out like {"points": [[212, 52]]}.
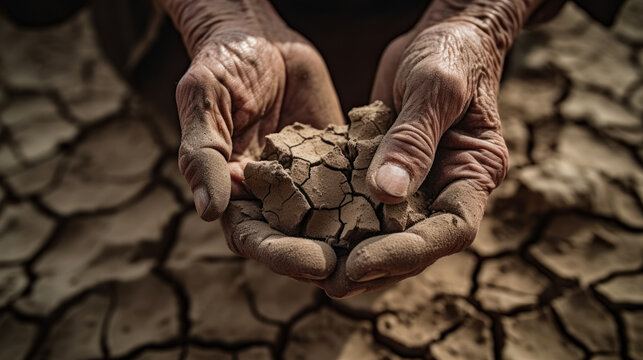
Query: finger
{"points": [[340, 286], [458, 211], [250, 236], [471, 162], [206, 130], [433, 100], [238, 188]]}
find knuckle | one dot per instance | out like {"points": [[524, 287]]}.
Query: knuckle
{"points": [[440, 79], [192, 89], [495, 159], [414, 142], [483, 157]]}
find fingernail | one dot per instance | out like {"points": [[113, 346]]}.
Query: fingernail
{"points": [[393, 180], [201, 200], [373, 275]]}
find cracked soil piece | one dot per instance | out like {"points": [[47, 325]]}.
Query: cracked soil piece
{"points": [[542, 91], [78, 334], [255, 353], [497, 235], [412, 331], [34, 179], [326, 188], [323, 224], [195, 353], [312, 182], [23, 230], [219, 307], [588, 321], [359, 221], [610, 158], [9, 163], [13, 281], [534, 336], [576, 247], [284, 205], [277, 298], [634, 330], [327, 335], [370, 121], [145, 312], [629, 24], [108, 167], [472, 340], [37, 127], [198, 240], [625, 289], [508, 283], [100, 95], [163, 354], [90, 250], [15, 337], [450, 275], [594, 57]]}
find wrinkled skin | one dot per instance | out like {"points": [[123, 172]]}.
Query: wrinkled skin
{"points": [[251, 75]]}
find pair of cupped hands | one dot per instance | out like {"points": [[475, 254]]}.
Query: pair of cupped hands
{"points": [[251, 75]]}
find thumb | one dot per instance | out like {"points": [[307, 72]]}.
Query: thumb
{"points": [[204, 113], [432, 102]]}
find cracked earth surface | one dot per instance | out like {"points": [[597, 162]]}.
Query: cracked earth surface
{"points": [[103, 257]]}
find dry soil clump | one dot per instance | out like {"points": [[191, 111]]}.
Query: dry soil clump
{"points": [[311, 182]]}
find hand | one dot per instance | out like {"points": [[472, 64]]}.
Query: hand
{"points": [[442, 79], [250, 76], [443, 85]]}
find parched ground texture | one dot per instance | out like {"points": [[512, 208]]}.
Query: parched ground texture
{"points": [[103, 257]]}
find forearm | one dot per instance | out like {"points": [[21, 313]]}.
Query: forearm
{"points": [[198, 20]]}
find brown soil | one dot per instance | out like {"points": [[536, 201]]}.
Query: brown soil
{"points": [[311, 182]]}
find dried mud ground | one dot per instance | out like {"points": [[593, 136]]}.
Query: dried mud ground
{"points": [[103, 257]]}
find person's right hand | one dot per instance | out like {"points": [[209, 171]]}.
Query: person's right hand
{"points": [[250, 76]]}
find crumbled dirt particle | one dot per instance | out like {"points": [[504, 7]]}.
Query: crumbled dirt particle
{"points": [[370, 121], [284, 206], [312, 182], [336, 159], [363, 151], [396, 216], [323, 224], [312, 150], [358, 181], [359, 220], [300, 171], [327, 193]]}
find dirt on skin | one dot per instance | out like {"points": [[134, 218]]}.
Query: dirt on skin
{"points": [[311, 182]]}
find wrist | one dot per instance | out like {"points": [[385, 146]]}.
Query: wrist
{"points": [[500, 20], [199, 20]]}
